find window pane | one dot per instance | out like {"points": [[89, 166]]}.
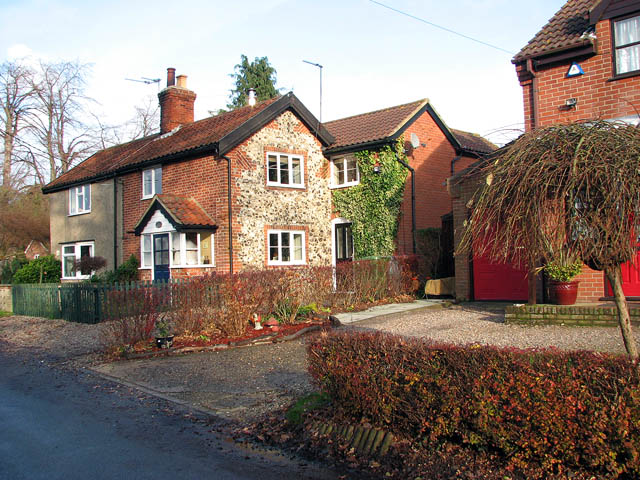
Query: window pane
{"points": [[273, 168], [349, 242], [146, 243], [273, 247], [157, 181], [284, 170], [286, 254], [352, 173], [176, 252], [191, 240], [205, 248], [69, 250], [297, 246], [628, 59], [68, 266], [72, 201], [87, 197], [627, 31], [147, 183], [146, 259], [338, 172], [192, 257], [85, 251], [296, 171]]}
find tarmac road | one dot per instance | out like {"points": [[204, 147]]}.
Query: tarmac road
{"points": [[59, 424]]}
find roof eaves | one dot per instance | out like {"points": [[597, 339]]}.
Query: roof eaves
{"points": [[263, 117], [445, 129]]}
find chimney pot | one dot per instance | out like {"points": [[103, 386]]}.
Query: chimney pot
{"points": [[171, 77], [176, 104]]}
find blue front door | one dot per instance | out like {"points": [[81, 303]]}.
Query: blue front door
{"points": [[161, 257]]}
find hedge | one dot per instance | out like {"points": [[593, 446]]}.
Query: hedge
{"points": [[544, 412]]}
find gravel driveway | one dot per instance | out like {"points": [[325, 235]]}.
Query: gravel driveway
{"points": [[243, 383], [484, 323]]}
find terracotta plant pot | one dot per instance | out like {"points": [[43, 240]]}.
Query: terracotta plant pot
{"points": [[563, 293]]}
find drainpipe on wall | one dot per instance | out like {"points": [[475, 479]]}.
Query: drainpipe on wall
{"points": [[534, 92], [229, 212], [453, 163], [115, 222], [413, 201], [532, 283]]}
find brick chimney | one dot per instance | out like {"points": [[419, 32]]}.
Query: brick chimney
{"points": [[176, 102]]}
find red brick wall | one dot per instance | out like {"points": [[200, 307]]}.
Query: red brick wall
{"points": [[432, 166], [176, 107], [598, 94], [205, 180]]}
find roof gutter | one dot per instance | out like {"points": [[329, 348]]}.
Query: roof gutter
{"points": [[208, 148]]}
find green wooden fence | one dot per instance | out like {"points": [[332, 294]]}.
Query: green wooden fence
{"points": [[76, 302]]}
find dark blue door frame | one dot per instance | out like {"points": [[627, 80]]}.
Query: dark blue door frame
{"points": [[161, 257]]}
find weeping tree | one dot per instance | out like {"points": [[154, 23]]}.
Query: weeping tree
{"points": [[565, 191]]}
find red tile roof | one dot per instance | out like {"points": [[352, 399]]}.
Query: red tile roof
{"points": [[187, 137], [473, 141], [184, 212], [383, 124], [372, 126], [564, 30]]}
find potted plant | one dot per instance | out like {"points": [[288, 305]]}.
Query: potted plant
{"points": [[164, 337], [563, 290]]}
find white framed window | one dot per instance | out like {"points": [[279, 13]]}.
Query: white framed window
{"points": [[344, 171], [80, 199], [189, 249], [286, 247], [285, 170], [151, 182], [627, 45], [71, 255], [147, 251]]}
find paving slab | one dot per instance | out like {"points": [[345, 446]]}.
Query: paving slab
{"points": [[389, 309]]}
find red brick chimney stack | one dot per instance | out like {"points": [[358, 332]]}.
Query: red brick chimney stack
{"points": [[176, 102]]}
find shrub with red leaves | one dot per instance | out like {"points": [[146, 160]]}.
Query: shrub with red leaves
{"points": [[545, 413]]}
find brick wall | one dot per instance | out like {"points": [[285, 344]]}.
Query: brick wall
{"points": [[254, 204], [598, 94], [432, 165]]}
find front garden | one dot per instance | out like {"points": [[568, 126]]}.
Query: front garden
{"points": [[474, 412]]}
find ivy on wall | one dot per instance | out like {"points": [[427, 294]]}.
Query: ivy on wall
{"points": [[373, 206]]}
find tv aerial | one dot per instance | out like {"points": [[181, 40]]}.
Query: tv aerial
{"points": [[145, 80]]}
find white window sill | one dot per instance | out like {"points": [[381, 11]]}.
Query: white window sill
{"points": [[147, 198], [78, 213], [285, 264], [280, 185], [344, 185], [192, 266], [83, 277]]}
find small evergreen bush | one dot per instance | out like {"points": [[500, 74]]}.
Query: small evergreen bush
{"points": [[45, 269]]}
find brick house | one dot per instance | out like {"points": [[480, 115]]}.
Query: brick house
{"points": [[583, 64], [250, 188]]}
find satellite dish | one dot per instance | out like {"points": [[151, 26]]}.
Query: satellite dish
{"points": [[415, 141]]}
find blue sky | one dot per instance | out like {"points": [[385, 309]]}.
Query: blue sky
{"points": [[372, 57]]}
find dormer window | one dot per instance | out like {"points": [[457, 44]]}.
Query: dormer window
{"points": [[627, 45], [344, 171], [79, 199], [151, 182]]}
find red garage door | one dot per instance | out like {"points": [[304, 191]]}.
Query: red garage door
{"points": [[495, 281], [630, 279]]}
